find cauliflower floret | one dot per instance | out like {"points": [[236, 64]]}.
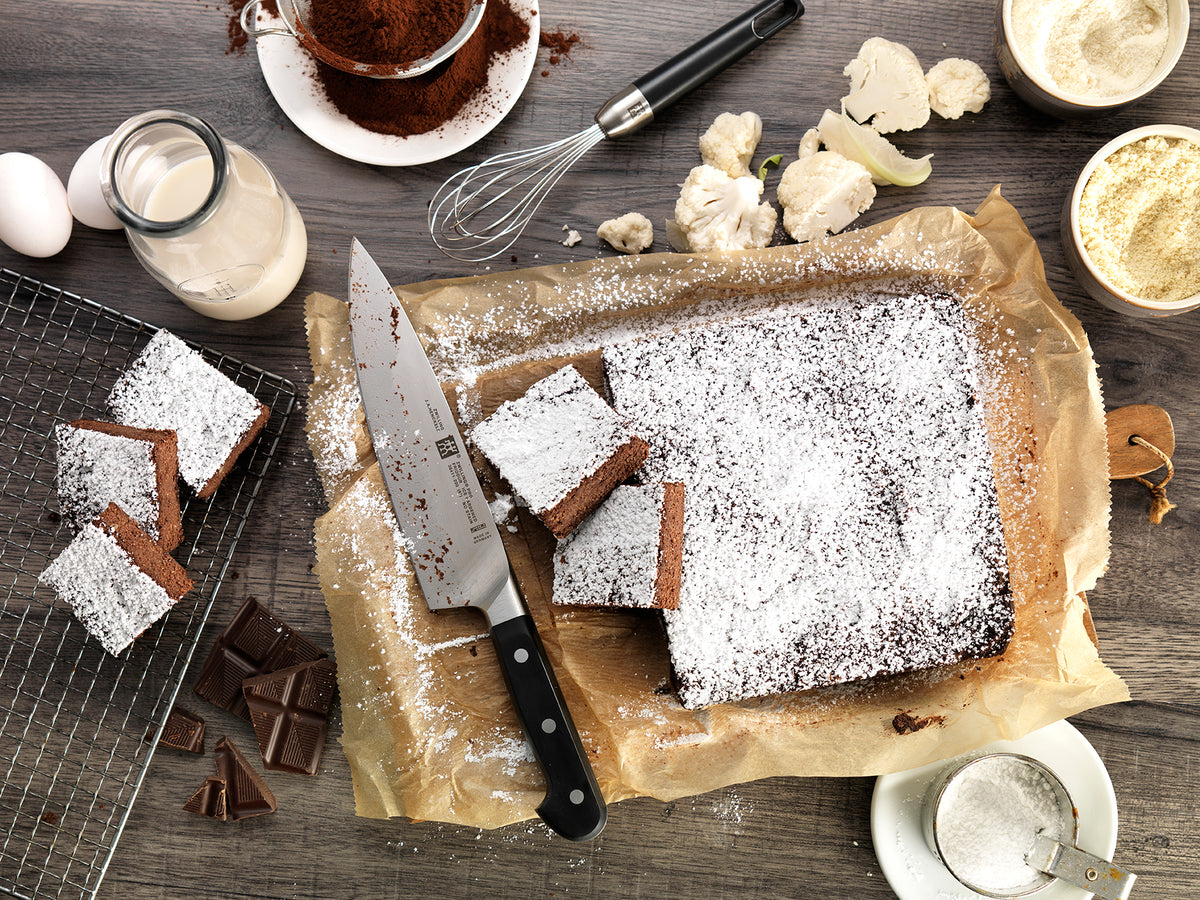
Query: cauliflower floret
{"points": [[716, 212], [863, 144], [730, 142], [957, 86], [887, 82], [810, 143], [630, 233], [823, 193]]}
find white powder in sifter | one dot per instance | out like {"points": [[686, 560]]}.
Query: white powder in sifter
{"points": [[1097, 48], [987, 820]]}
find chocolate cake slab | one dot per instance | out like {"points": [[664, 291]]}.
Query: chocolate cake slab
{"points": [[841, 519]]}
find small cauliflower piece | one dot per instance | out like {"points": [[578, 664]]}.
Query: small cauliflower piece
{"points": [[716, 212], [823, 193], [630, 233], [863, 144], [809, 144], [957, 86], [887, 86], [730, 142]]}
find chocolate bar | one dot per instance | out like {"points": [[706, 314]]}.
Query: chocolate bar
{"points": [[289, 710], [246, 794], [209, 800], [254, 643], [183, 731]]}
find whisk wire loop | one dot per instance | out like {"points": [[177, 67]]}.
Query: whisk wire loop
{"points": [[472, 216]]}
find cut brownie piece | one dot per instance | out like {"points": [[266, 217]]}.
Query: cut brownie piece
{"points": [[254, 643], [289, 710], [842, 520], [137, 468], [561, 447], [628, 553], [246, 794], [171, 386], [116, 580]]}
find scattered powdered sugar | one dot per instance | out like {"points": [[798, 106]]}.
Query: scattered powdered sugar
{"points": [[547, 441], [113, 598], [841, 518], [171, 386], [612, 558], [95, 469], [333, 427], [988, 817], [502, 508]]}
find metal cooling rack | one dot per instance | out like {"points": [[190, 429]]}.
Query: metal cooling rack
{"points": [[74, 721]]}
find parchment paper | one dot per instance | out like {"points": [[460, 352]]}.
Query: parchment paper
{"points": [[428, 727]]}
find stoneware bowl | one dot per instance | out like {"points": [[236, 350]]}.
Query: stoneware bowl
{"points": [[1089, 276], [1039, 92]]}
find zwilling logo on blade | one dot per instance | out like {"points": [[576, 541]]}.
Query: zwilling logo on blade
{"points": [[447, 447]]}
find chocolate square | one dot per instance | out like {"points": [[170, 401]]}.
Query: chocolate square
{"points": [[254, 643]]}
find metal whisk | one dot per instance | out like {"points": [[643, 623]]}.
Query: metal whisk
{"points": [[479, 212]]}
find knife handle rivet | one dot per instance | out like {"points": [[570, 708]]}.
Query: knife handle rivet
{"points": [[576, 796], [521, 655], [548, 726]]}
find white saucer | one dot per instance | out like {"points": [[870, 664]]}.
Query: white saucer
{"points": [[911, 868], [291, 75]]}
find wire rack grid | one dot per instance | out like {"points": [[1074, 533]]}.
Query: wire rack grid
{"points": [[78, 726]]}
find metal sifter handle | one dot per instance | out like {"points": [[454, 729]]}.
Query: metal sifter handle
{"points": [[634, 107], [1080, 868]]}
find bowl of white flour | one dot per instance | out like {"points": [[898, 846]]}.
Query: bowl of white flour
{"points": [[1131, 225], [1073, 58]]}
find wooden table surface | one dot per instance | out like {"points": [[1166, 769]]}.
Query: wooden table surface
{"points": [[71, 71]]}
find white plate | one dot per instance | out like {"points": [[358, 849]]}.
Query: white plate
{"points": [[291, 75], [911, 868]]}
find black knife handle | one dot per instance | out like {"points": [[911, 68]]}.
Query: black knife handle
{"points": [[686, 71], [574, 806]]}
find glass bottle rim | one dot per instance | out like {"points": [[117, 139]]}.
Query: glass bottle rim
{"points": [[126, 133]]}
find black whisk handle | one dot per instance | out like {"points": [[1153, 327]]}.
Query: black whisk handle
{"points": [[686, 71]]}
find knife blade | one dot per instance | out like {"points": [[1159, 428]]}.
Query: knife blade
{"points": [[453, 541]]}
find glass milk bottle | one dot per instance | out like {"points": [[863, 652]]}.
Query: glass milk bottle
{"points": [[203, 215]]}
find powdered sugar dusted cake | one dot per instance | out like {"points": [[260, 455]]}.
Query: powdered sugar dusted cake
{"points": [[116, 580], [101, 463], [561, 447], [841, 520], [171, 386], [628, 553]]}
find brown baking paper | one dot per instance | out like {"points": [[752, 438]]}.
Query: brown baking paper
{"points": [[428, 727]]}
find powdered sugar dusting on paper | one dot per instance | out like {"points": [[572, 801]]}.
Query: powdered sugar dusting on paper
{"points": [[841, 517]]}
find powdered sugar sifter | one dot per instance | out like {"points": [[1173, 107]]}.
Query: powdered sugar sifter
{"points": [[479, 212]]}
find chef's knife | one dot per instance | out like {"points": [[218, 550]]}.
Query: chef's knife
{"points": [[452, 539]]}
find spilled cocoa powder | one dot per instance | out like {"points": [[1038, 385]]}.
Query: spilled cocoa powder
{"points": [[424, 103]]}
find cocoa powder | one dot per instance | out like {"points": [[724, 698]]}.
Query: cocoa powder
{"points": [[385, 31], [425, 102]]}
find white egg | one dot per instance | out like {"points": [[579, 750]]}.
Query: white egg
{"points": [[83, 190], [34, 216]]}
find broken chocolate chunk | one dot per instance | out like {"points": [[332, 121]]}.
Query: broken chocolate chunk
{"points": [[209, 800], [289, 710], [183, 731], [246, 794], [254, 643]]}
